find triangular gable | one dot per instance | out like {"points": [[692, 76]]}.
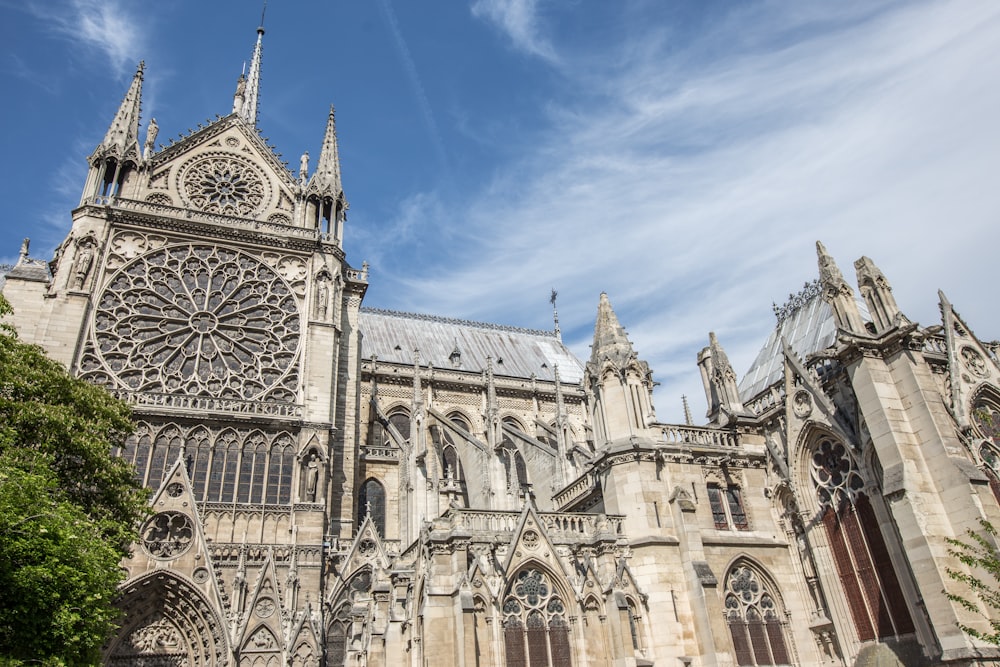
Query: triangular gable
{"points": [[226, 153], [531, 542], [262, 624], [970, 364], [173, 535], [305, 646], [366, 551], [805, 401], [625, 583]]}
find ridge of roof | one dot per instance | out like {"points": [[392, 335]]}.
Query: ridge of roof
{"points": [[451, 320]]}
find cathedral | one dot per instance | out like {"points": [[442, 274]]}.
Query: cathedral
{"points": [[337, 484]]}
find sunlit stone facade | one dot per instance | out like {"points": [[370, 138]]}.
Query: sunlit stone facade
{"points": [[337, 485]]}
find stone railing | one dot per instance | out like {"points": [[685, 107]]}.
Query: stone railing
{"points": [[936, 345], [210, 404], [390, 453], [558, 525], [771, 398], [697, 435], [577, 489], [216, 219]]}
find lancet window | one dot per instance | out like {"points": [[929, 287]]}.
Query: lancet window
{"points": [[862, 558], [987, 418], [371, 501], [727, 507], [228, 466], [401, 421], [755, 622], [535, 629]]}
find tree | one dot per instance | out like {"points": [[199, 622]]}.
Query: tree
{"points": [[69, 510], [980, 554]]}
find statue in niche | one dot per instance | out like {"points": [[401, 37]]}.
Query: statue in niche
{"points": [[322, 296], [312, 477], [151, 131], [83, 263]]}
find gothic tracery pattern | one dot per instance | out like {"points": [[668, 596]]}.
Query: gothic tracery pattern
{"points": [[754, 622], [167, 535], [227, 185], [535, 627], [201, 320]]}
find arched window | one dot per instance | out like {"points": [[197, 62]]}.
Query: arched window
{"points": [[336, 635], [279, 470], [535, 629], [166, 449], [199, 448], [755, 624], [401, 421], [633, 624], [371, 501], [862, 558], [986, 415]]}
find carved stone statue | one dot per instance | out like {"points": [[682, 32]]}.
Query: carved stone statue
{"points": [[322, 297], [151, 131], [312, 477], [304, 166], [83, 263]]}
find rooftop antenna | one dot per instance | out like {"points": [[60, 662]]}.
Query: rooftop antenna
{"points": [[262, 12], [555, 313]]}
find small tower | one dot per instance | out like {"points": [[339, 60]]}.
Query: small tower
{"points": [[717, 375], [838, 293], [326, 206], [116, 158], [621, 384], [877, 293]]}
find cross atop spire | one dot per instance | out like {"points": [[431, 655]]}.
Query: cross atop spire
{"points": [[122, 138], [248, 88]]}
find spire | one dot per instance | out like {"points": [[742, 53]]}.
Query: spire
{"points": [[325, 181], [122, 138], [610, 339], [555, 314], [719, 379], [838, 293], [248, 88]]}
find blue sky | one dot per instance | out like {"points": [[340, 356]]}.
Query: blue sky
{"points": [[682, 156]]}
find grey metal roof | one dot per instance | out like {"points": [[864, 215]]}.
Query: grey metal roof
{"points": [[31, 269], [516, 352], [808, 329]]}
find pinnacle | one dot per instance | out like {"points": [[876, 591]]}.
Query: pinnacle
{"points": [[610, 339]]}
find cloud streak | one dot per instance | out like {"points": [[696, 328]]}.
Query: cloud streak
{"points": [[519, 21], [695, 194]]}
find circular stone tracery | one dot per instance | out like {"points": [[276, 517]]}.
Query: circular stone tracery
{"points": [[203, 320], [227, 185]]}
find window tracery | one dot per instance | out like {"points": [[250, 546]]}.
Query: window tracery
{"points": [[201, 320], [986, 416], [861, 555], [371, 501], [755, 624], [223, 184], [535, 628]]}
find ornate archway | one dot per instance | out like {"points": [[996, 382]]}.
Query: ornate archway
{"points": [[167, 622]]}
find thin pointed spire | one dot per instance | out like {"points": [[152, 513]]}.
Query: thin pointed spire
{"points": [[122, 138], [325, 180], [838, 293], [248, 89], [555, 314]]}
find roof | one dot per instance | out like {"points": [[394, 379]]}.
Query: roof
{"points": [[808, 329], [393, 336], [36, 270]]}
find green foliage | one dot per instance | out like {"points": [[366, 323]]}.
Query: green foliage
{"points": [[980, 553], [68, 509]]}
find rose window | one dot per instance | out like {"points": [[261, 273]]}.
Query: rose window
{"points": [[167, 535], [227, 185], [199, 320]]}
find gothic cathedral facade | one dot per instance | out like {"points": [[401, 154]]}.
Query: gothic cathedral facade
{"points": [[338, 485]]}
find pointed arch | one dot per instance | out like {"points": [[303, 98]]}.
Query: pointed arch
{"points": [[534, 610], [399, 418], [280, 465], [198, 459], [985, 415], [167, 446], [861, 555], [372, 501], [166, 618], [755, 615]]}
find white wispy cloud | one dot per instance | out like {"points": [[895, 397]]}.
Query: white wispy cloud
{"points": [[519, 21], [111, 28], [694, 195]]}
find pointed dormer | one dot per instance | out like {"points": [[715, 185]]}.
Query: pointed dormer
{"points": [[621, 384], [326, 207], [119, 154], [838, 293], [717, 375], [248, 87], [877, 293]]}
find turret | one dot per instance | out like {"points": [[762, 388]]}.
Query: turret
{"points": [[620, 383], [877, 293], [117, 157], [717, 375], [326, 206], [838, 293]]}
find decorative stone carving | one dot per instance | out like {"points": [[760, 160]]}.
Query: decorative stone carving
{"points": [[199, 319], [834, 473], [167, 535], [264, 607], [974, 362], [84, 261], [224, 184], [802, 404]]}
